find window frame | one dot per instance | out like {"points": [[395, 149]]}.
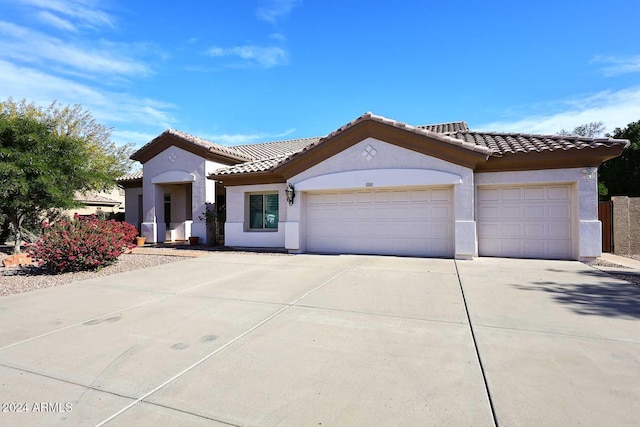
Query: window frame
{"points": [[263, 229]]}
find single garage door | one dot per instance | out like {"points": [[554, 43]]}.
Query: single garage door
{"points": [[383, 221], [525, 222]]}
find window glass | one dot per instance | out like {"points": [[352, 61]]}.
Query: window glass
{"points": [[256, 211], [263, 211], [271, 211]]}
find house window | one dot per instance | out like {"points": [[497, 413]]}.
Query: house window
{"points": [[167, 210], [263, 211]]}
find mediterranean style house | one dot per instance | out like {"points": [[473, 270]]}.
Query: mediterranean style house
{"points": [[379, 186]]}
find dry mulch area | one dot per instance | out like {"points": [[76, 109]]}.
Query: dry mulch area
{"points": [[633, 276], [18, 280]]}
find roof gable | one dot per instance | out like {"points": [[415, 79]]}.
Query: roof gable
{"points": [[198, 146], [390, 131]]}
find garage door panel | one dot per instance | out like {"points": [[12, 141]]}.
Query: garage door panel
{"points": [[534, 193], [533, 212], [440, 213], [558, 231], [559, 248], [488, 212], [534, 230], [559, 211], [559, 193], [511, 230], [527, 221], [511, 212], [420, 196], [443, 195], [382, 221], [511, 194]]}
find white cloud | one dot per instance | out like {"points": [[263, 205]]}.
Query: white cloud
{"points": [[56, 21], [615, 65], [278, 37], [106, 106], [613, 108], [274, 10], [245, 138], [85, 13], [266, 57], [25, 45]]}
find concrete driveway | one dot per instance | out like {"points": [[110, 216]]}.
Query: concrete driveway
{"points": [[245, 339]]}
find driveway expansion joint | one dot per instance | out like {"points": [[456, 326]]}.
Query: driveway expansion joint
{"points": [[368, 313], [62, 380], [477, 350], [558, 334]]}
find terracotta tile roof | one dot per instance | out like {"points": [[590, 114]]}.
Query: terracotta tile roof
{"points": [[503, 143], [263, 157], [265, 150], [211, 147], [262, 165], [415, 129], [130, 177], [446, 127], [268, 164], [96, 199]]}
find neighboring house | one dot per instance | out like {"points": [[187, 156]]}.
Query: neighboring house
{"points": [[106, 202], [380, 186]]}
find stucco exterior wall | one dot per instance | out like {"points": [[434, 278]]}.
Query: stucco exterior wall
{"points": [[131, 196], [236, 229], [587, 227], [175, 166], [626, 225]]}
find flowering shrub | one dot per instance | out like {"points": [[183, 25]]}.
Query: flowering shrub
{"points": [[84, 243]]}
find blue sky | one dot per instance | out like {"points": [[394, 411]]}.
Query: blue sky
{"points": [[239, 72]]}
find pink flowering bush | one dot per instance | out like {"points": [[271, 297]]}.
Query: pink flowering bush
{"points": [[81, 244]]}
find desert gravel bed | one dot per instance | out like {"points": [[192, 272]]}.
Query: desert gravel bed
{"points": [[620, 271], [17, 281]]}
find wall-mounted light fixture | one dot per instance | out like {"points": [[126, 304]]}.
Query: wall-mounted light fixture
{"points": [[291, 194], [589, 172]]}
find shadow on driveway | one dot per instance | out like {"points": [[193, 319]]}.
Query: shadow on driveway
{"points": [[609, 297]]}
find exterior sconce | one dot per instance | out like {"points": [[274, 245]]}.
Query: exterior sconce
{"points": [[291, 194], [588, 173]]}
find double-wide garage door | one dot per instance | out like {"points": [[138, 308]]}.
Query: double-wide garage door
{"points": [[525, 221], [382, 221]]}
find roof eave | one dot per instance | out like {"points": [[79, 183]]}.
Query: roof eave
{"points": [[556, 159], [248, 178]]}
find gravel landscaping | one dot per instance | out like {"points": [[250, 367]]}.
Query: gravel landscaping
{"points": [[16, 281]]}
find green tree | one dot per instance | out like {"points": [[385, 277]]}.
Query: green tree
{"points": [[40, 169], [621, 176], [73, 121], [590, 130]]}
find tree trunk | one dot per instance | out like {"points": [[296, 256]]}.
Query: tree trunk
{"points": [[16, 221]]}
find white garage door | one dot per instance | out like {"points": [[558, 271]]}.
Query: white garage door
{"points": [[525, 222], [386, 221]]}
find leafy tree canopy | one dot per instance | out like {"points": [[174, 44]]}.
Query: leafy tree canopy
{"points": [[590, 130], [47, 155], [621, 175], [73, 121]]}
